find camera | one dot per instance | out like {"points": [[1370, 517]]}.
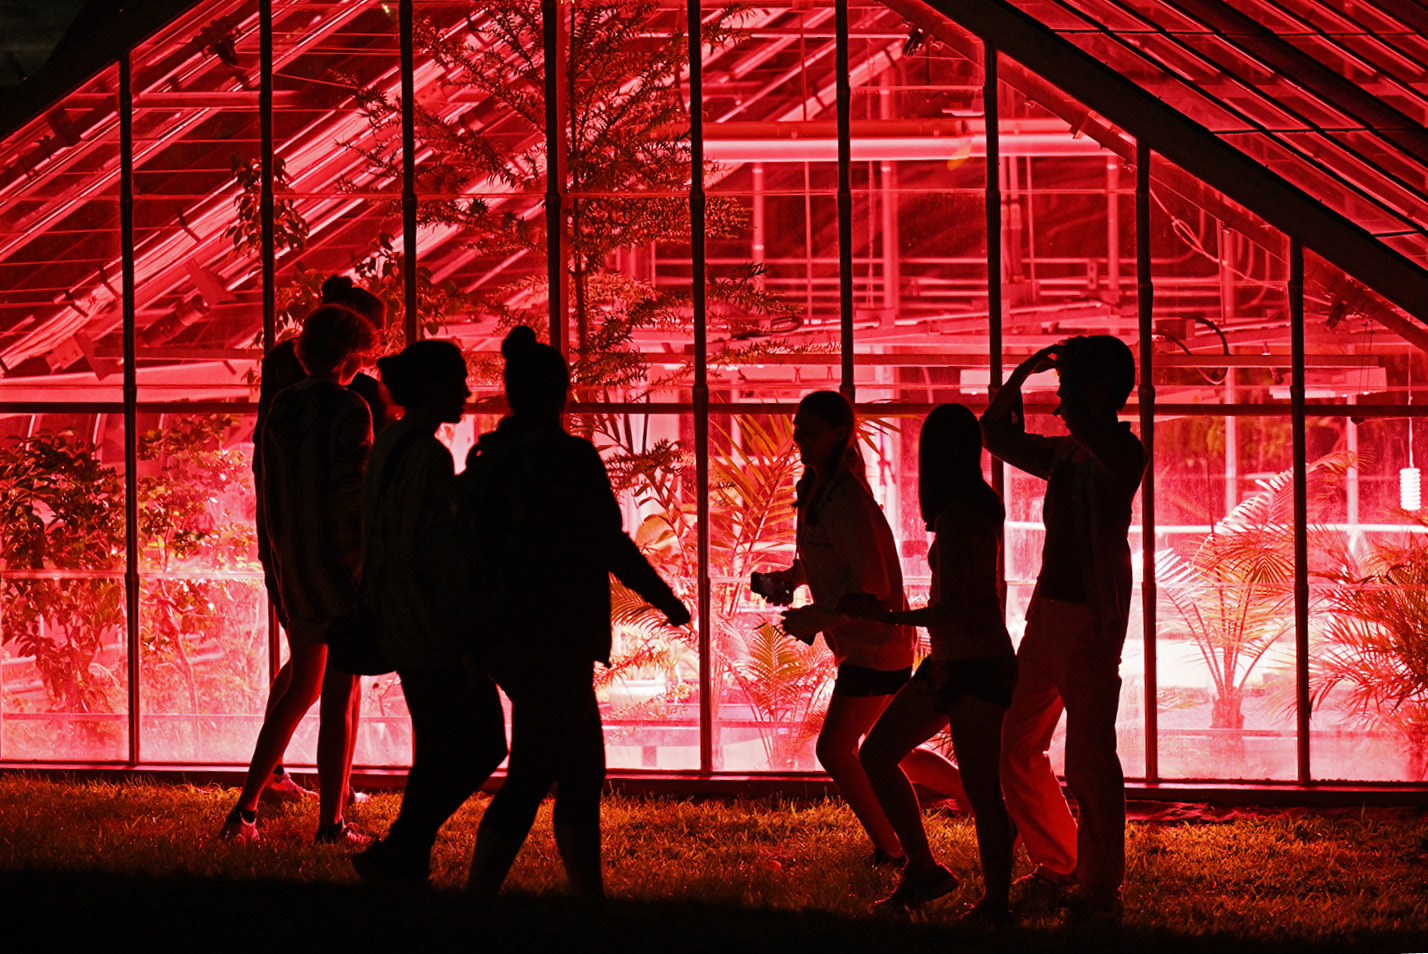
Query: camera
{"points": [[771, 588]]}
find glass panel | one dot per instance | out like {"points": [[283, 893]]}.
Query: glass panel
{"points": [[920, 287], [60, 261], [203, 607], [337, 159], [649, 695], [64, 670], [772, 689], [1224, 569]]}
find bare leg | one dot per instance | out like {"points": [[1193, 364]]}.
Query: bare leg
{"points": [[334, 744], [977, 736], [285, 711], [909, 720], [848, 719], [280, 685], [929, 769]]}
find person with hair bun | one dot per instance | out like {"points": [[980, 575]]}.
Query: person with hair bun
{"points": [[281, 369], [845, 546], [315, 441], [545, 536], [965, 684], [412, 580]]}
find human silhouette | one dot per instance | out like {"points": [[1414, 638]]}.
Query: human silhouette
{"points": [[281, 369], [1069, 657], [412, 579], [546, 536], [315, 443], [845, 546], [965, 683]]}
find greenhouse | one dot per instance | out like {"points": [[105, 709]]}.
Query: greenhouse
{"points": [[713, 210]]}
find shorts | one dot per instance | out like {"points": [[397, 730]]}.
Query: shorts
{"points": [[949, 681], [862, 681]]}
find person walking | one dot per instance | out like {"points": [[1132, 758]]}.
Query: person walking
{"points": [[546, 536], [412, 579]]}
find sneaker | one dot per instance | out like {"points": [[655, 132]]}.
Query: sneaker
{"points": [[882, 858], [240, 829], [986, 914], [1043, 890], [917, 888], [285, 788], [1082, 910], [341, 833], [383, 864]]}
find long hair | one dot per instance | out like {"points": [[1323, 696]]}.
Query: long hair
{"points": [[835, 410], [949, 463]]}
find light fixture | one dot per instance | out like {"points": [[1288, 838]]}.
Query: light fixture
{"points": [[1410, 488]]}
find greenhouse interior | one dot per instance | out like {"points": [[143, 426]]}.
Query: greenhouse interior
{"points": [[897, 200]]}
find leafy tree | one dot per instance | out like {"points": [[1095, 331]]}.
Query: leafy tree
{"points": [[63, 546]]}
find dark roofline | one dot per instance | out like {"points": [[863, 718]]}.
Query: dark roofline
{"points": [[79, 62], [1192, 147]]}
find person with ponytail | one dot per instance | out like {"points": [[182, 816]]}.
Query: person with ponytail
{"points": [[967, 680], [846, 546], [545, 536], [281, 369], [412, 580]]}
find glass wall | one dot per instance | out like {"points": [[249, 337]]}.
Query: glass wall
{"points": [[714, 260]]}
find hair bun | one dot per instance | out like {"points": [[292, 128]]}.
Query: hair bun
{"points": [[521, 340], [336, 287]]}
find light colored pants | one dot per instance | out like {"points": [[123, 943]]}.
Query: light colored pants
{"points": [[1062, 664]]}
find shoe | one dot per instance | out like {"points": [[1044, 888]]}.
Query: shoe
{"points": [[383, 864], [1083, 910], [240, 829], [1042, 891], [882, 858], [986, 914], [917, 888], [341, 833], [355, 797], [285, 788]]}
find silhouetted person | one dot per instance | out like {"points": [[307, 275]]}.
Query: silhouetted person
{"points": [[965, 683], [1070, 654], [412, 579], [546, 537], [281, 369], [315, 443], [845, 546]]}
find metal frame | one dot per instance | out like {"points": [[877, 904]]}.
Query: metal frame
{"points": [[1004, 32]]}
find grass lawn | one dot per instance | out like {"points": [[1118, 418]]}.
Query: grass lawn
{"points": [[139, 865]]}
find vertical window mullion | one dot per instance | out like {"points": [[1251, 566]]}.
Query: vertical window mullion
{"points": [[131, 398], [410, 329], [845, 202], [1301, 509], [993, 203], [269, 250], [701, 380], [1145, 305]]}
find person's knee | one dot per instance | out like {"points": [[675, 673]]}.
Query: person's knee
{"points": [[835, 754], [876, 757]]}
